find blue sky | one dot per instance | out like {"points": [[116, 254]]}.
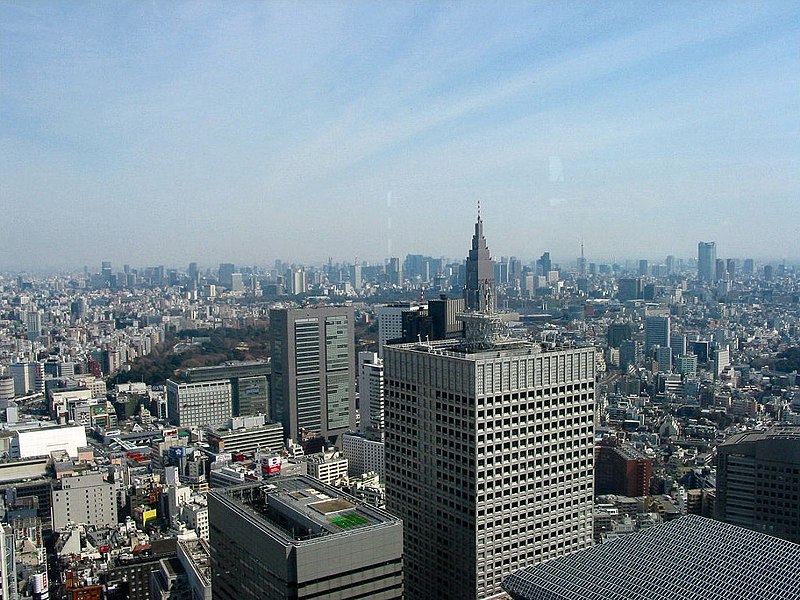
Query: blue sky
{"points": [[163, 132]]}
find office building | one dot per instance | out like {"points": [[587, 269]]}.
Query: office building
{"points": [[444, 317], [225, 274], [298, 538], [656, 333], [686, 364], [489, 457], [363, 455], [313, 370], [479, 292], [748, 267], [630, 288], [622, 470], [201, 404], [84, 499], [706, 261], [370, 394], [33, 322], [249, 384], [758, 481], [689, 557], [394, 272], [390, 322], [643, 268], [544, 264], [618, 333], [247, 435]]}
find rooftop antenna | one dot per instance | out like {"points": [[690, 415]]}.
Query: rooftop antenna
{"points": [[479, 210]]}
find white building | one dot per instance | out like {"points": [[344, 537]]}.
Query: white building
{"points": [[390, 323], [39, 438], [370, 394], [328, 467], [363, 455]]}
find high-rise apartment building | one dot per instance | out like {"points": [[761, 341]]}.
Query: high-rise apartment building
{"points": [[706, 261], [758, 480], [313, 370], [301, 539], [479, 293], [489, 457]]}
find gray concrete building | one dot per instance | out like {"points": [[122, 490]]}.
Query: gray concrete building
{"points": [[249, 384], [489, 458], [758, 481], [202, 404], [247, 434], [86, 499], [300, 539], [313, 370]]}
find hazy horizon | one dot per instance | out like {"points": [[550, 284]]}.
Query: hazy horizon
{"points": [[165, 133]]}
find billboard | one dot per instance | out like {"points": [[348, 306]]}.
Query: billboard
{"points": [[271, 466]]}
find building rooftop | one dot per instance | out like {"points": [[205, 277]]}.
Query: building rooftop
{"points": [[301, 508], [691, 558], [777, 432]]}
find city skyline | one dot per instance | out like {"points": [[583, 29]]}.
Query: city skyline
{"points": [[168, 133]]}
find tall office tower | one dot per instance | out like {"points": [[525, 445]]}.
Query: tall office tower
{"points": [[313, 370], [479, 294], [370, 393], [630, 288], [678, 343], [757, 481], [33, 321], [355, 276], [719, 270], [643, 268], [394, 271], [296, 281], [200, 404], [444, 321], [730, 267], [706, 261], [722, 359], [489, 457], [747, 266], [544, 265], [226, 270], [663, 356], [390, 322], [669, 264], [656, 333], [298, 538], [192, 272]]}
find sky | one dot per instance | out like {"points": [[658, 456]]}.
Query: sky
{"points": [[163, 132]]}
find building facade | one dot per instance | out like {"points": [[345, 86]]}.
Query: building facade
{"points": [[300, 539], [479, 292], [202, 404], [489, 460], [85, 499], [313, 370], [758, 481]]}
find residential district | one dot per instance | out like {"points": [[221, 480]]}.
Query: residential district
{"points": [[422, 428]]}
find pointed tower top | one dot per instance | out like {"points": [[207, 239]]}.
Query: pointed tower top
{"points": [[479, 210]]}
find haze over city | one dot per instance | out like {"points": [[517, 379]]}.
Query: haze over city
{"points": [[163, 133]]}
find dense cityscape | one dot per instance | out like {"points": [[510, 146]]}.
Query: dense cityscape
{"points": [[399, 300], [433, 428]]}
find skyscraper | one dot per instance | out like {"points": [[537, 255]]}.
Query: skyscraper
{"points": [[479, 290], [371, 394], [313, 369], [489, 457], [706, 261], [656, 332], [758, 481]]}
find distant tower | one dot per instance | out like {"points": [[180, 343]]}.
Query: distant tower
{"points": [[706, 261], [582, 262], [479, 291]]}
